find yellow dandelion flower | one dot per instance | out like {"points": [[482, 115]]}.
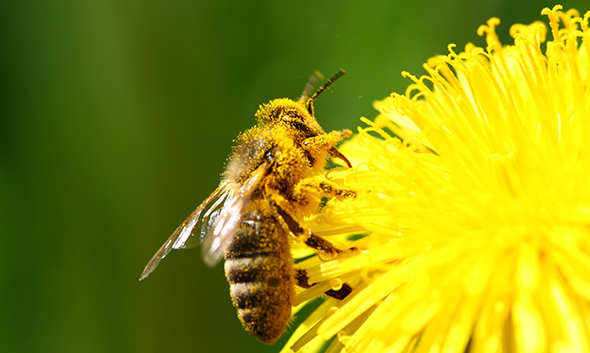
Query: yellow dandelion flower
{"points": [[473, 213]]}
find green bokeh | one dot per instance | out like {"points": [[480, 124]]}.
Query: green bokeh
{"points": [[115, 121]]}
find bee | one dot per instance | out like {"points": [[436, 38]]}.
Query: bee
{"points": [[273, 180]]}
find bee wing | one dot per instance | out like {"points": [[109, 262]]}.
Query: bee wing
{"points": [[229, 218], [184, 235]]}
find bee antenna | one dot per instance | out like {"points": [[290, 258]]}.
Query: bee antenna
{"points": [[325, 86]]}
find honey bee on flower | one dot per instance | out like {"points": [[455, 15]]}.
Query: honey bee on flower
{"points": [[272, 181]]}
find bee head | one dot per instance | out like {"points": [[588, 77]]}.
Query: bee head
{"points": [[291, 114], [298, 115]]}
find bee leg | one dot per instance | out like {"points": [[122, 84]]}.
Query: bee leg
{"points": [[324, 186], [325, 142], [322, 146], [306, 236], [303, 282], [315, 242]]}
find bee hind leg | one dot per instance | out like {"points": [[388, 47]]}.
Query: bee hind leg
{"points": [[303, 282], [306, 236], [315, 242]]}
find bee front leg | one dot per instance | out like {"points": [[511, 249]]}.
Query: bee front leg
{"points": [[319, 147], [326, 141]]}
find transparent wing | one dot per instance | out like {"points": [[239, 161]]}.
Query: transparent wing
{"points": [[311, 85], [184, 236], [204, 224], [228, 219]]}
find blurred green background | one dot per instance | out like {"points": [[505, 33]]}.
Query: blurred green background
{"points": [[115, 121]]}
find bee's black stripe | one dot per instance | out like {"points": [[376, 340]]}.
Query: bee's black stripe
{"points": [[236, 274], [249, 254], [248, 270], [248, 315]]}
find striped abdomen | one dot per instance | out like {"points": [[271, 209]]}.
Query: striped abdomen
{"points": [[259, 269]]}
